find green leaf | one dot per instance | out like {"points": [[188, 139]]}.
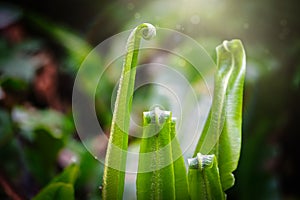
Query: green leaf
{"points": [[41, 155], [115, 163], [87, 183], [59, 191], [155, 178], [181, 182], [69, 175], [159, 177], [61, 187], [222, 131], [204, 178], [51, 121]]}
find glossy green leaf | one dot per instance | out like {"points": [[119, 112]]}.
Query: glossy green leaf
{"points": [[222, 131], [159, 177], [204, 178], [61, 187], [115, 163], [155, 179]]}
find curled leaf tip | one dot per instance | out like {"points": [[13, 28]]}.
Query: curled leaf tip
{"points": [[193, 163], [157, 116], [201, 161], [232, 45], [148, 31], [225, 44], [174, 119]]}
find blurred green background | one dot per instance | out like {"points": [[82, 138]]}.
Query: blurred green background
{"points": [[42, 44]]}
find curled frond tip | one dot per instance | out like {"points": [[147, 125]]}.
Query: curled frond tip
{"points": [[148, 31]]}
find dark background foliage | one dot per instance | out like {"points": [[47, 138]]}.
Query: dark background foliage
{"points": [[33, 153]]}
